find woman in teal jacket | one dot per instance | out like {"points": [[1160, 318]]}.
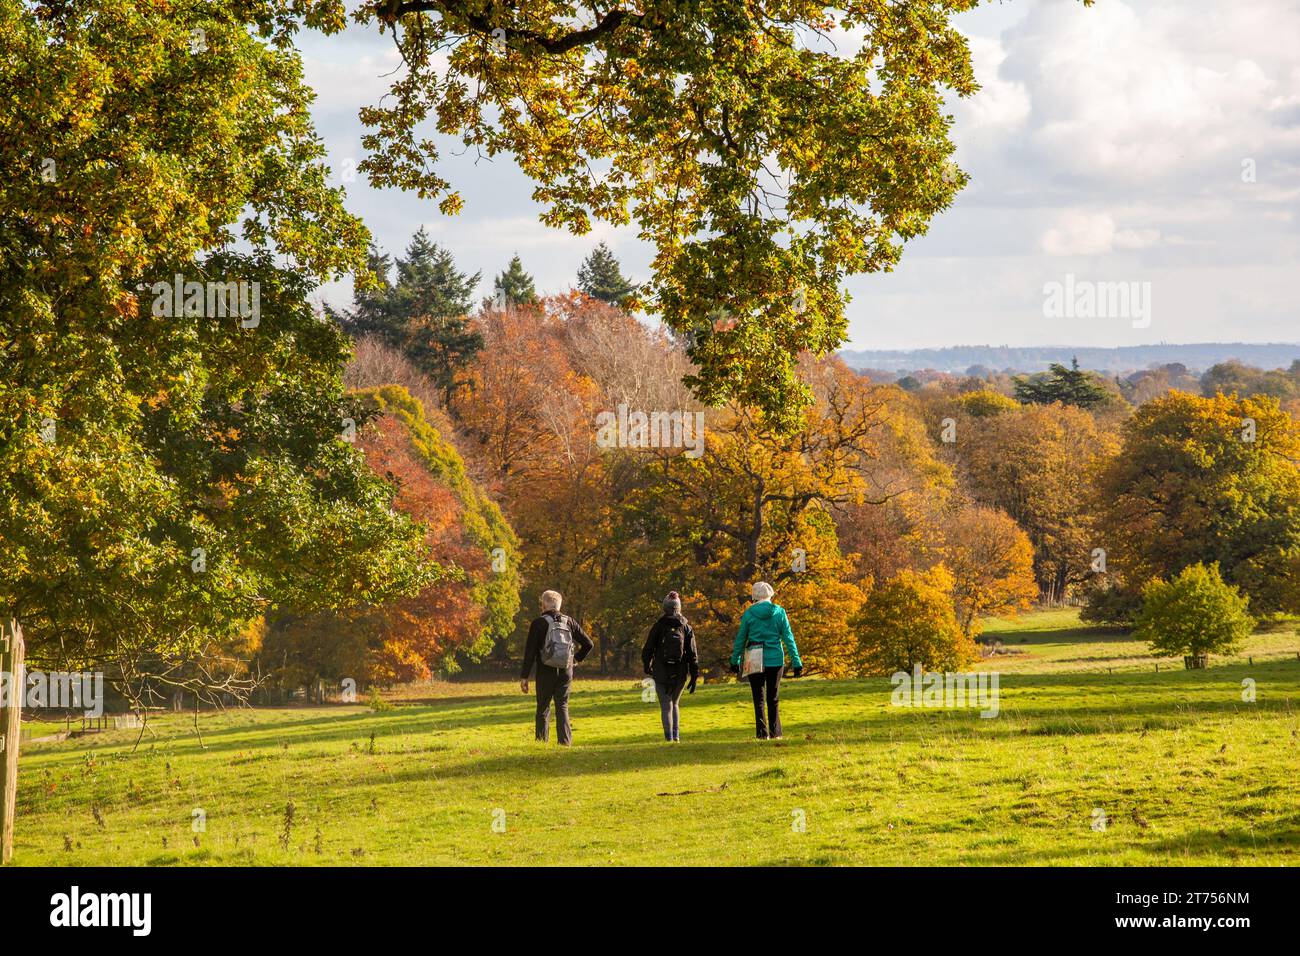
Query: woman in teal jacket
{"points": [[765, 624]]}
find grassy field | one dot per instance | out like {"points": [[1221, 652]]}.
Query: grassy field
{"points": [[1184, 771], [1056, 641]]}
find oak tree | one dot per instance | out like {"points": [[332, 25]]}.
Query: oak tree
{"points": [[764, 162], [171, 474]]}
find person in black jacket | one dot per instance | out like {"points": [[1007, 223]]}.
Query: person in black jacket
{"points": [[553, 683], [669, 656]]}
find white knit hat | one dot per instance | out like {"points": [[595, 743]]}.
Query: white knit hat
{"points": [[762, 591]]}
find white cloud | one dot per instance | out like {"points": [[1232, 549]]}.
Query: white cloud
{"points": [[1120, 94], [1080, 234], [1136, 238], [1083, 233], [1001, 104]]}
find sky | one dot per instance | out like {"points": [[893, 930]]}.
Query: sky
{"points": [[1151, 144]]}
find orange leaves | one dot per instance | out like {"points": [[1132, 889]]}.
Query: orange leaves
{"points": [[126, 305], [388, 451], [419, 633], [992, 563], [527, 405]]}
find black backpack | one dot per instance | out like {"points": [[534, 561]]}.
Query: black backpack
{"points": [[672, 645]]}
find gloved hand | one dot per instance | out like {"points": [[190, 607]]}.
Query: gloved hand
{"points": [[798, 672], [735, 669], [690, 688]]}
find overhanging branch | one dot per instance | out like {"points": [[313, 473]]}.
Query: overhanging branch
{"points": [[562, 43]]}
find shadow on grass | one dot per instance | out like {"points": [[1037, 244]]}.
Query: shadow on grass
{"points": [[1065, 635], [1271, 834], [1098, 703]]}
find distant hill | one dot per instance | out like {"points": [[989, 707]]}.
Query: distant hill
{"points": [[1125, 358]]}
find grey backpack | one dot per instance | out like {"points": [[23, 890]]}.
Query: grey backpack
{"points": [[557, 649]]}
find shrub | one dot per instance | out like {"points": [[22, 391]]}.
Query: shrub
{"points": [[1194, 614]]}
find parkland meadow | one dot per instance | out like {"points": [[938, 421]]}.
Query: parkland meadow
{"points": [[250, 450], [1084, 765]]}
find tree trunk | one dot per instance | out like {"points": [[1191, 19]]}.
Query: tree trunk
{"points": [[755, 535], [12, 653]]}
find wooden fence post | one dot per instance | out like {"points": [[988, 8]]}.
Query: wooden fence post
{"points": [[11, 672]]}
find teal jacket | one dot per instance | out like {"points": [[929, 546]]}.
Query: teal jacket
{"points": [[765, 623]]}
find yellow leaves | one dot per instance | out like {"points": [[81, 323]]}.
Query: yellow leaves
{"points": [[909, 621], [704, 92], [155, 401]]}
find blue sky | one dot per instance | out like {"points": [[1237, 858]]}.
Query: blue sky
{"points": [[1108, 143]]}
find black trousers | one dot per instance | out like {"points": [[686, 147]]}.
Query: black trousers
{"points": [[767, 685], [553, 685]]}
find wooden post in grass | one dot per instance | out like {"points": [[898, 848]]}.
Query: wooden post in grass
{"points": [[11, 673]]}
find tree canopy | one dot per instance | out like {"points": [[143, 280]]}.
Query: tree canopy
{"points": [[910, 621], [168, 474], [1069, 386], [765, 163], [1038, 463], [462, 614], [1193, 613], [1207, 480], [424, 312], [514, 286]]}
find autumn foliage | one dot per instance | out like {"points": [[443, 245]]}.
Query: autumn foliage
{"points": [[892, 522], [910, 622], [464, 611]]}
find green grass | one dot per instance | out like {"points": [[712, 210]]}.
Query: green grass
{"points": [[35, 729], [1056, 641], [1184, 770]]}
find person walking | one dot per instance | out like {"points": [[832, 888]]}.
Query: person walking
{"points": [[555, 643], [765, 624], [669, 656]]}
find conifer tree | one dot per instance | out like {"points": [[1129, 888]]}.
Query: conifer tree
{"points": [[600, 277], [514, 286], [424, 313], [1069, 386]]}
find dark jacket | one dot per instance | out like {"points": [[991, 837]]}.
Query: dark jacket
{"points": [[582, 644], [690, 662]]}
